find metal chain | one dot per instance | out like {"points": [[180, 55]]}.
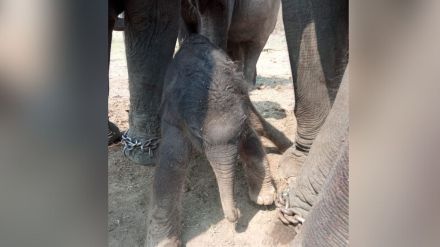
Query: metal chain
{"points": [[131, 143], [285, 213]]}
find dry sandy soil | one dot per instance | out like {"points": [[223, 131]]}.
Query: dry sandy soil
{"points": [[202, 218]]}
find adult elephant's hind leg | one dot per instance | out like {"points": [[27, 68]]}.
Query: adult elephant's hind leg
{"points": [[169, 179], [150, 38], [261, 189]]}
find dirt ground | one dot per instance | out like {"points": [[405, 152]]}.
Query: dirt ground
{"points": [[130, 185]]}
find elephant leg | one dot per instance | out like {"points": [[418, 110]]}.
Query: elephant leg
{"points": [[223, 159], [317, 37], [252, 53], [327, 224], [215, 19], [169, 180], [150, 39], [113, 133], [236, 53], [183, 32], [188, 20], [306, 188], [261, 189]]}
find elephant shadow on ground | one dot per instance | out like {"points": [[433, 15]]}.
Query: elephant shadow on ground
{"points": [[270, 109], [202, 211], [271, 82], [130, 199]]}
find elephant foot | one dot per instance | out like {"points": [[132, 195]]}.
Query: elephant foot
{"points": [[167, 242], [291, 210], [291, 163], [264, 196], [233, 215], [162, 236], [113, 133], [142, 151]]}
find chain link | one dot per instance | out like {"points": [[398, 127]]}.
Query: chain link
{"points": [[287, 214], [131, 143]]}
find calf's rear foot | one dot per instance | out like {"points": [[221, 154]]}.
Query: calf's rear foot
{"points": [[261, 189], [263, 196]]}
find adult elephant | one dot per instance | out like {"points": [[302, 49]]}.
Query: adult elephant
{"points": [[319, 195], [135, 148], [317, 38], [151, 28], [317, 170], [231, 25]]}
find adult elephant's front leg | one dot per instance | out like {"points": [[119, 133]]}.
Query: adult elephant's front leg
{"points": [[150, 38], [305, 190], [327, 224], [317, 37]]}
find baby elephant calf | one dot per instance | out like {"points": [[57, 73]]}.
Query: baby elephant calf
{"points": [[205, 109]]}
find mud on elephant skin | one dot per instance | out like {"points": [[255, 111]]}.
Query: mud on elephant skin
{"points": [[151, 28], [205, 110], [242, 27]]}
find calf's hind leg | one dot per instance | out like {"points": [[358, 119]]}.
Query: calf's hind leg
{"points": [[174, 156], [223, 159], [261, 189]]}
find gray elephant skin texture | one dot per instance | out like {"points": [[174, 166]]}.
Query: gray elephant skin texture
{"points": [[205, 110]]}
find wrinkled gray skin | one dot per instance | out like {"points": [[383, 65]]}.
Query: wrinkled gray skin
{"points": [[317, 38], [327, 224], [260, 125], [320, 192], [317, 169], [205, 110], [235, 22], [151, 28], [241, 27]]}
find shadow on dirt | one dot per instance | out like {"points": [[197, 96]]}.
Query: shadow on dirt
{"points": [[203, 197], [271, 82], [270, 109]]}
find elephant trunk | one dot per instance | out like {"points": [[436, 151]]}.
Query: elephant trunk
{"points": [[327, 224]]}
